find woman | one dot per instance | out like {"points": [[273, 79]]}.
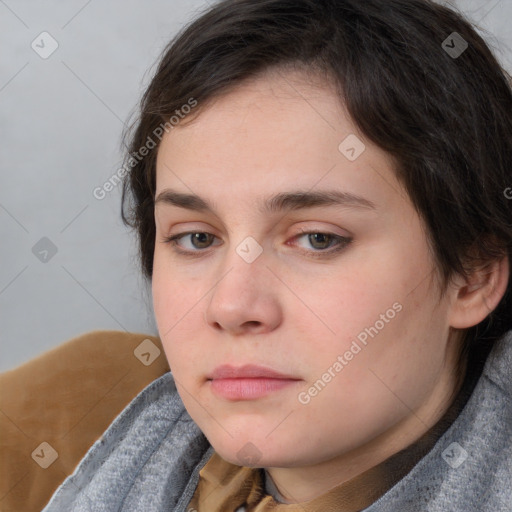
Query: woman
{"points": [[319, 189]]}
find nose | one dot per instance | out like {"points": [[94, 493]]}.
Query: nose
{"points": [[245, 300]]}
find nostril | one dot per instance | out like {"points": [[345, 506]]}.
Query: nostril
{"points": [[253, 323]]}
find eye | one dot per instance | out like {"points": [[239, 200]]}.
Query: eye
{"points": [[323, 243], [200, 238], [324, 240]]}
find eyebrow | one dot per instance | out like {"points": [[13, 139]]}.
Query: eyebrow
{"points": [[283, 201]]}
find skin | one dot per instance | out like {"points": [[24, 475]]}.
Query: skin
{"points": [[295, 313]]}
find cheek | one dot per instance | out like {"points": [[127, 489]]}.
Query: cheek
{"points": [[360, 301], [379, 328], [390, 322], [178, 316], [391, 357], [378, 385]]}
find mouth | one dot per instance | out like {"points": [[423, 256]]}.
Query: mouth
{"points": [[248, 382]]}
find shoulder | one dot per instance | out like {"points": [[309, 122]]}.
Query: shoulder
{"points": [[143, 461], [58, 404], [498, 367], [469, 466]]}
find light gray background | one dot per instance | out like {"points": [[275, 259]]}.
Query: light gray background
{"points": [[61, 120]]}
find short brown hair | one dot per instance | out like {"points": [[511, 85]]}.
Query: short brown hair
{"points": [[445, 119]]}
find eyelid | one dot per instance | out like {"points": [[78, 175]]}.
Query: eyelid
{"points": [[341, 243]]}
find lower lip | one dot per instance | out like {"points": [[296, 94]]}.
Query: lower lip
{"points": [[248, 389]]}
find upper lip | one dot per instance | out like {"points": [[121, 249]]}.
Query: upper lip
{"points": [[227, 371]]}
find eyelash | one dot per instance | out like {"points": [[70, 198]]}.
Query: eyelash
{"points": [[342, 243]]}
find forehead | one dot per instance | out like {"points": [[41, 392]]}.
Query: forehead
{"points": [[273, 100], [266, 134]]}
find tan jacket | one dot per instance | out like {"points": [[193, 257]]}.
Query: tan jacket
{"points": [[66, 397]]}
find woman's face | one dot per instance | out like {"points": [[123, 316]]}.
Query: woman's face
{"points": [[354, 323]]}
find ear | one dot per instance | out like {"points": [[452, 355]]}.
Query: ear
{"points": [[476, 297]]}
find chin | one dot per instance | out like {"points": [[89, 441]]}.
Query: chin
{"points": [[254, 451]]}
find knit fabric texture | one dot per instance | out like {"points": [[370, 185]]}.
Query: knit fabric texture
{"points": [[150, 456]]}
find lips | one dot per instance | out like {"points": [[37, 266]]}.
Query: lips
{"points": [[248, 371], [249, 382]]}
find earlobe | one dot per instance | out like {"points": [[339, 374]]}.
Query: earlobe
{"points": [[476, 297]]}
